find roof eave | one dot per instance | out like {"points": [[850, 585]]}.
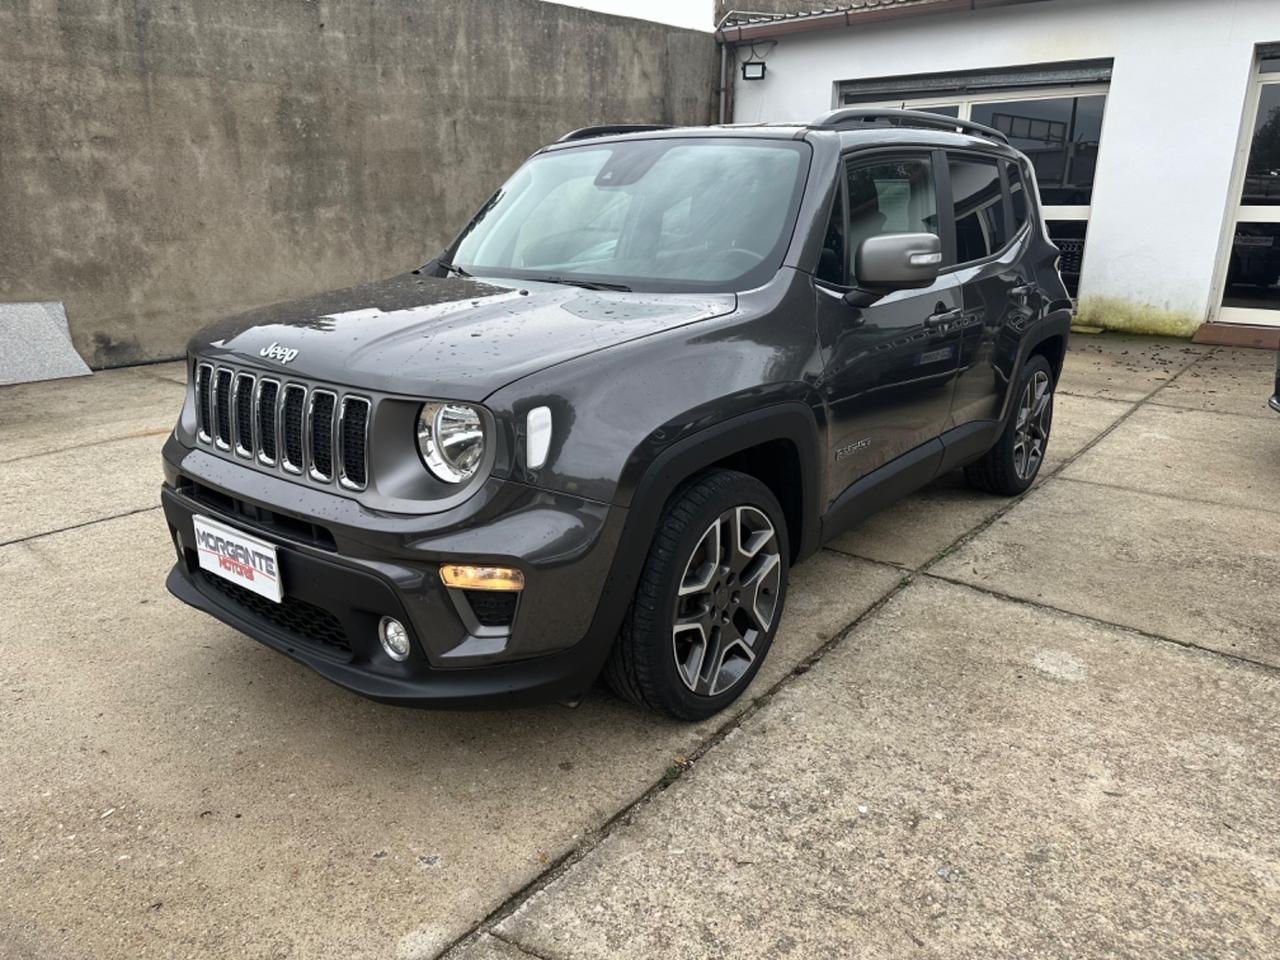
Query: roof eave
{"points": [[837, 20]]}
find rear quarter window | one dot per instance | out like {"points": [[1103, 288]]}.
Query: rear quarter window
{"points": [[981, 226], [1017, 196]]}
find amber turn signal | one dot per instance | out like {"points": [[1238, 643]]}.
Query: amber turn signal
{"points": [[468, 577]]}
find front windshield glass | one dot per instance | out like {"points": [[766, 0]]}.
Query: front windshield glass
{"points": [[676, 213]]}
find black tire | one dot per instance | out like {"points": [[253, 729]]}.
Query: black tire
{"points": [[1010, 468], [653, 662]]}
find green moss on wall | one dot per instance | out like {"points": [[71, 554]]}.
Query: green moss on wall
{"points": [[1114, 313]]}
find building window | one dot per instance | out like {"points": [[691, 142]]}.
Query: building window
{"points": [[1251, 271], [1060, 135]]}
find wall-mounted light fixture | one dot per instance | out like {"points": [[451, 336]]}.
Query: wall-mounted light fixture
{"points": [[753, 70]]}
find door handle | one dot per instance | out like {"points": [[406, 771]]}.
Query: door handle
{"points": [[947, 316]]}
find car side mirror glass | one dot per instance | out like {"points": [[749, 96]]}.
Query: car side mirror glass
{"points": [[897, 261]]}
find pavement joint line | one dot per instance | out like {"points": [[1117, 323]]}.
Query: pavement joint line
{"points": [[1169, 496], [77, 526], [1099, 621], [593, 838], [157, 431], [1264, 413], [527, 951], [1094, 396], [164, 378]]}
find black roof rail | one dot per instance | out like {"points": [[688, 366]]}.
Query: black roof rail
{"points": [[609, 129], [851, 116]]}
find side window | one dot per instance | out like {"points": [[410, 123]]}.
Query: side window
{"points": [[1018, 194], [890, 196], [980, 224], [832, 259]]}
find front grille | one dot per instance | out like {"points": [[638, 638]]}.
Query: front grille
{"points": [[204, 402], [314, 432], [222, 409], [302, 621], [268, 397], [354, 430], [295, 398], [244, 415], [320, 430]]}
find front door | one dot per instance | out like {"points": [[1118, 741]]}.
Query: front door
{"points": [[890, 367], [1251, 272]]}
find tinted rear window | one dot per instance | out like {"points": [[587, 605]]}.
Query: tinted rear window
{"points": [[981, 229]]}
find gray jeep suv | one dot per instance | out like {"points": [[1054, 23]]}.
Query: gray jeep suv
{"points": [[657, 369]]}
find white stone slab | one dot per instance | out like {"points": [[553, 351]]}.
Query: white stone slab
{"points": [[35, 344]]}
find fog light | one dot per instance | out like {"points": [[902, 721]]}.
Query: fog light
{"points": [[469, 577], [395, 638]]}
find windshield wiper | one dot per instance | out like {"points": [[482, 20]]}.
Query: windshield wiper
{"points": [[584, 284], [452, 269]]}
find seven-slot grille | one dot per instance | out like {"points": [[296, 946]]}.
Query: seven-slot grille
{"points": [[306, 431]]}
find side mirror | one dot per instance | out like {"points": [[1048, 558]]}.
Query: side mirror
{"points": [[897, 261]]}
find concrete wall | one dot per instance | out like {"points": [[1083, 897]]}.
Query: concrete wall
{"points": [[1169, 141], [166, 163]]}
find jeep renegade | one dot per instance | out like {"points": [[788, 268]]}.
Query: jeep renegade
{"points": [[658, 368]]}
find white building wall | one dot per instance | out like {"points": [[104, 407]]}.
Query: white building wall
{"points": [[1170, 134]]}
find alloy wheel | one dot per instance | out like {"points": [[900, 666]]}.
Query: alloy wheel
{"points": [[1032, 429], [727, 600]]}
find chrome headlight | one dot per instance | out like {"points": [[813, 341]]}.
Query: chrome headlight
{"points": [[451, 440]]}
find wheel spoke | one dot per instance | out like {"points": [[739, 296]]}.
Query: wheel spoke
{"points": [[690, 638], [704, 563], [735, 660], [760, 591]]}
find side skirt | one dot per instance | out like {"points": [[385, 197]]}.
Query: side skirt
{"points": [[908, 473]]}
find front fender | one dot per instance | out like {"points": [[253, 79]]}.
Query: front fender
{"points": [[615, 411]]}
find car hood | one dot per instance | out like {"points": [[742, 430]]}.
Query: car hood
{"points": [[457, 339]]}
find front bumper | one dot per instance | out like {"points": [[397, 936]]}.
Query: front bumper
{"points": [[1274, 403], [344, 567]]}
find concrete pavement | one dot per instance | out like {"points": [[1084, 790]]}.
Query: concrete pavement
{"points": [[1040, 727]]}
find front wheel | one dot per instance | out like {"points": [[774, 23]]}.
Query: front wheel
{"points": [[709, 599], [1011, 466]]}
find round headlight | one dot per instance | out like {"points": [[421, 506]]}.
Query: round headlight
{"points": [[451, 440]]}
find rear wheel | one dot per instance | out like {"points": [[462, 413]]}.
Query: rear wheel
{"points": [[709, 599], [1011, 466]]}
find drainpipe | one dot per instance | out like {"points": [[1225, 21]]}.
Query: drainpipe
{"points": [[724, 80]]}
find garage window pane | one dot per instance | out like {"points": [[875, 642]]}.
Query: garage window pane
{"points": [[1060, 135]]}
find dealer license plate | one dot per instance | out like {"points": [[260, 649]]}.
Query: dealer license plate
{"points": [[244, 560]]}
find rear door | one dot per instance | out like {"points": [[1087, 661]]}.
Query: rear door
{"points": [[890, 367], [1000, 298]]}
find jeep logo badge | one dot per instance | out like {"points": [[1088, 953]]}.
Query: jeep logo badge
{"points": [[277, 352]]}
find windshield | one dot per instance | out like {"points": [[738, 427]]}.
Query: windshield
{"points": [[678, 214]]}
